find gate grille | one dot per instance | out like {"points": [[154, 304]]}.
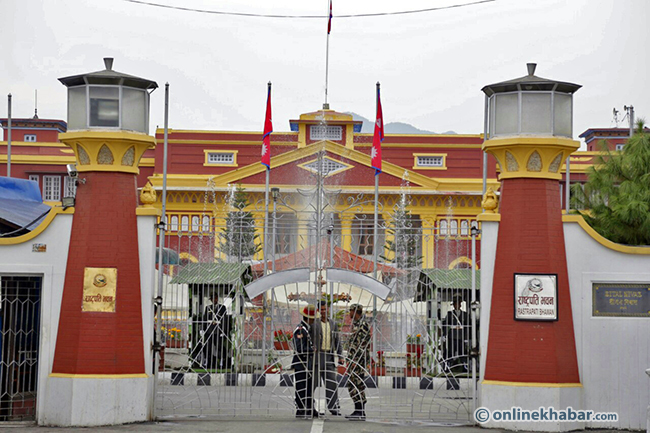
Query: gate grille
{"points": [[20, 298]]}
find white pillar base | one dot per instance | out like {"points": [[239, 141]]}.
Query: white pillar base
{"points": [[96, 400], [504, 396]]}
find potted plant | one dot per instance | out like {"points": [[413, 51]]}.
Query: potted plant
{"points": [[379, 367], [414, 344], [274, 365], [281, 339], [413, 365], [173, 338]]}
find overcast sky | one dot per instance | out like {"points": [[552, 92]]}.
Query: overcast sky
{"points": [[431, 65]]}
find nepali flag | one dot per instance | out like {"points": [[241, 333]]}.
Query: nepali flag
{"points": [[375, 154], [329, 21], [268, 129]]}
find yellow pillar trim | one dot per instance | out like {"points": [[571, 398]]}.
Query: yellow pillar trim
{"points": [[428, 240], [532, 384], [100, 376]]}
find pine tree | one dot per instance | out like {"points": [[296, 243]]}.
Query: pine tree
{"points": [[237, 240], [616, 197]]}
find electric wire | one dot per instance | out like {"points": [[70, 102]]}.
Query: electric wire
{"points": [[244, 14]]}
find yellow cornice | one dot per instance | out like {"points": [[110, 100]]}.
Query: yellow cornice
{"points": [[39, 159], [423, 145], [627, 249], [230, 142], [32, 144], [147, 211], [38, 230], [492, 217], [108, 151]]}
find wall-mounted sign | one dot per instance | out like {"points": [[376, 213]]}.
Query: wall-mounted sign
{"points": [[100, 287], [39, 248], [621, 300], [535, 297]]}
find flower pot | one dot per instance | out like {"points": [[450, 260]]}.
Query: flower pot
{"points": [[281, 345], [176, 344], [414, 348], [271, 369]]}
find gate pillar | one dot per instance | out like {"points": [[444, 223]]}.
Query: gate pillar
{"points": [[99, 369], [531, 359]]}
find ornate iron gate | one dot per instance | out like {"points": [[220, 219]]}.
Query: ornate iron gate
{"points": [[232, 355], [20, 309]]}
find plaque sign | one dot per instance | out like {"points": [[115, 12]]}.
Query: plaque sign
{"points": [[100, 286], [536, 297], [621, 300]]}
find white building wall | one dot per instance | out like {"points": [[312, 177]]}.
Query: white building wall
{"points": [[613, 352], [18, 259]]}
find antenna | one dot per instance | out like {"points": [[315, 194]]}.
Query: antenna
{"points": [[35, 104]]}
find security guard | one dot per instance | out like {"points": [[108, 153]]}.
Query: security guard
{"points": [[303, 364], [358, 356]]}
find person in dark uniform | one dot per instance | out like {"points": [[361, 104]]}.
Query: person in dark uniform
{"points": [[217, 344], [327, 342], [456, 330], [303, 364], [358, 357]]}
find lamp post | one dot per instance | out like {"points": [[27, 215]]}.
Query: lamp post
{"points": [[531, 353], [106, 322]]}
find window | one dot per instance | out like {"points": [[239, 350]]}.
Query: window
{"points": [[51, 188], [69, 187], [174, 225], [206, 223], [443, 227], [430, 161], [618, 146], [195, 223], [30, 138], [325, 132], [220, 158], [285, 232], [464, 228], [104, 106], [453, 228], [33, 177], [364, 234], [185, 223], [328, 166]]}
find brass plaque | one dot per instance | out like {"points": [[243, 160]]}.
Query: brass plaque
{"points": [[100, 286]]}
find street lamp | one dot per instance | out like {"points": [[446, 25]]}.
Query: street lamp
{"points": [[108, 100], [530, 105]]}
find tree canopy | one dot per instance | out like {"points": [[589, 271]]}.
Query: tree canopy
{"points": [[616, 196], [237, 240]]}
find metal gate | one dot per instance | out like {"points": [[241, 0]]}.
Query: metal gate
{"points": [[20, 309], [226, 353]]}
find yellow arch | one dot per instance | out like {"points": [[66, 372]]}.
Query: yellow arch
{"points": [[603, 241], [188, 256], [38, 230], [462, 259]]}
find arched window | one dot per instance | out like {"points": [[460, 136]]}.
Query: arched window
{"points": [[464, 228], [206, 223], [185, 223], [443, 227], [174, 225], [195, 223], [453, 228]]}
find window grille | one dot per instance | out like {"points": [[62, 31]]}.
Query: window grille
{"points": [[33, 177], [51, 188], [221, 158], [620, 146], [443, 227], [453, 227], [195, 223], [430, 161], [327, 167], [185, 223], [69, 187], [174, 225], [30, 138], [324, 132], [206, 223], [464, 228]]}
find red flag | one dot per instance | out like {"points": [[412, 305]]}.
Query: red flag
{"points": [[329, 21], [378, 137], [268, 129]]}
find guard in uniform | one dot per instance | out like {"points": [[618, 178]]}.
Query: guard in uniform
{"points": [[358, 357], [303, 364]]}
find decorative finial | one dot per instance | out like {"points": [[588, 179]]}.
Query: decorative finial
{"points": [[35, 104], [108, 63], [531, 68], [148, 195], [490, 201]]}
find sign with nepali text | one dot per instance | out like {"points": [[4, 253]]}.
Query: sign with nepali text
{"points": [[621, 300], [535, 297], [100, 287]]}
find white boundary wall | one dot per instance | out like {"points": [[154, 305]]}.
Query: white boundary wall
{"points": [[613, 352], [18, 259]]}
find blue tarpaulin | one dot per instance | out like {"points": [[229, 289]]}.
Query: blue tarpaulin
{"points": [[21, 204]]}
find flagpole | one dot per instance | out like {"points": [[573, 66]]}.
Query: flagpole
{"points": [[376, 233], [327, 51], [266, 236]]}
